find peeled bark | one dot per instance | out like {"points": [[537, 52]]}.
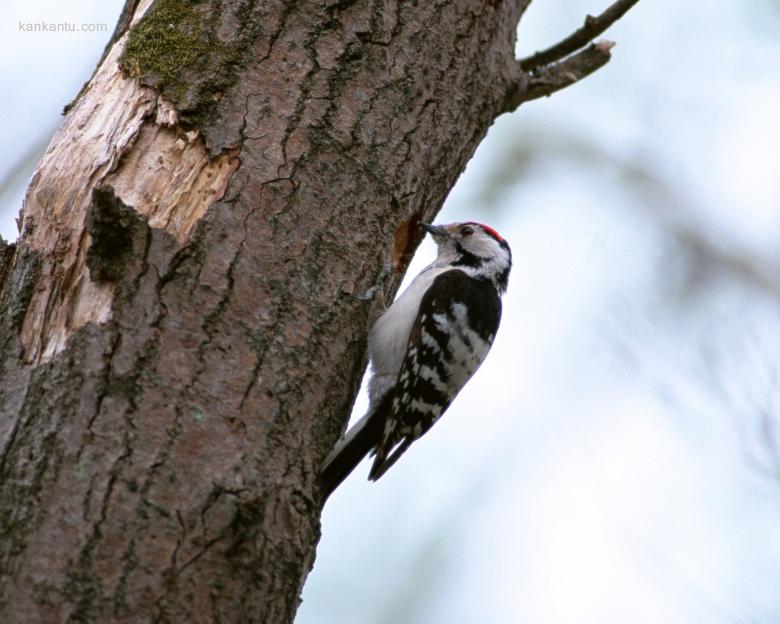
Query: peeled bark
{"points": [[182, 326]]}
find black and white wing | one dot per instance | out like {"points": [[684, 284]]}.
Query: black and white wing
{"points": [[455, 327]]}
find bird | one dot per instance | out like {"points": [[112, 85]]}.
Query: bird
{"points": [[425, 347]]}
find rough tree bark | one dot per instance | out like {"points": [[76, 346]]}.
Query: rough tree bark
{"points": [[181, 327]]}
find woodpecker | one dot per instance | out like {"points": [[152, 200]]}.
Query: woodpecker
{"points": [[425, 347]]}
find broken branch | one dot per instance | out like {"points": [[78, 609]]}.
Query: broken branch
{"points": [[548, 79], [592, 28]]}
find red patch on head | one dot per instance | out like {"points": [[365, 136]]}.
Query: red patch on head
{"points": [[489, 230]]}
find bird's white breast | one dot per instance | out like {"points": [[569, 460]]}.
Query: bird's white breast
{"points": [[388, 338]]}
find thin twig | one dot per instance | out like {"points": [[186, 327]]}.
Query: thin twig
{"points": [[591, 29], [551, 78]]}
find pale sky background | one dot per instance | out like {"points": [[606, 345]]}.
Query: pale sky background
{"points": [[608, 464]]}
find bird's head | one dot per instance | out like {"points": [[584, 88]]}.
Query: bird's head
{"points": [[475, 248]]}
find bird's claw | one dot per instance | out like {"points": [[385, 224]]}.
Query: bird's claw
{"points": [[370, 294]]}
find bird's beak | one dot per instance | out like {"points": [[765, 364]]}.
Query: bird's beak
{"points": [[437, 231]]}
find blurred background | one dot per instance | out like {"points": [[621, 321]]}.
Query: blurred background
{"points": [[617, 457]]}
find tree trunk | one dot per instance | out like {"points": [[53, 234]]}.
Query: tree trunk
{"points": [[182, 330]]}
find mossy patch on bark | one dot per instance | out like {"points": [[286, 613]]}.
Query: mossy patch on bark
{"points": [[168, 38], [193, 52]]}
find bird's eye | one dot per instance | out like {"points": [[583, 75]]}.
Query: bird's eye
{"points": [[466, 231]]}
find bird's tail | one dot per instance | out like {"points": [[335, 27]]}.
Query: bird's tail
{"points": [[384, 461], [351, 449]]}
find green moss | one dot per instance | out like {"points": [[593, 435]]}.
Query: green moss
{"points": [[169, 37], [186, 50]]}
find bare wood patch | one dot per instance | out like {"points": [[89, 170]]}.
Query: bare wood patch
{"points": [[407, 236], [171, 179], [118, 134]]}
